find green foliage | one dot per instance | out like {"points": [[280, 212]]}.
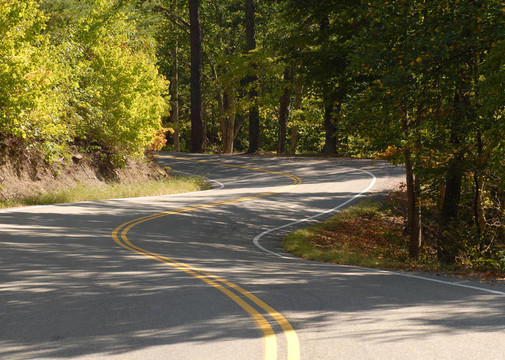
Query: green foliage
{"points": [[492, 97], [78, 71], [427, 88], [32, 80], [120, 96]]}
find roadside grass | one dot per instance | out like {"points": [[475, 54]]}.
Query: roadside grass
{"points": [[372, 233], [82, 192]]}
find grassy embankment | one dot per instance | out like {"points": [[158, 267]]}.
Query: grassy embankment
{"points": [[80, 192]]}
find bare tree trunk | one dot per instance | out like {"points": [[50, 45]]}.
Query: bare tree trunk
{"points": [[204, 123], [294, 130], [175, 98], [250, 25], [413, 214], [228, 123], [220, 106], [330, 143], [441, 189], [453, 183], [454, 175], [480, 218], [284, 110], [197, 135], [448, 247], [293, 140], [238, 126], [254, 126], [254, 122], [412, 192]]}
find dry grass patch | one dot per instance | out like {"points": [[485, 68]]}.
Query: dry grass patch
{"points": [[360, 235], [372, 233]]}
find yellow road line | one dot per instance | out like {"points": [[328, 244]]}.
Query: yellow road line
{"points": [[270, 341], [296, 179]]}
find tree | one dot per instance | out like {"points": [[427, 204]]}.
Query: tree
{"points": [[284, 109], [223, 29], [417, 70], [319, 40], [197, 135], [33, 81], [115, 95], [254, 122], [390, 104]]}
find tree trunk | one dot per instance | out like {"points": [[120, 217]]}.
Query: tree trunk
{"points": [[294, 130], [448, 246], [284, 110], [238, 125], [480, 218], [197, 135], [413, 220], [330, 143], [220, 106], [455, 170], [228, 123], [250, 30], [204, 122], [254, 127], [254, 122], [175, 98], [441, 190], [413, 213], [293, 140], [453, 183]]}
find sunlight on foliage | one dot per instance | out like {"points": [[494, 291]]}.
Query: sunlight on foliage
{"points": [[78, 72]]}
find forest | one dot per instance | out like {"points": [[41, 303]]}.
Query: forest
{"points": [[419, 83]]}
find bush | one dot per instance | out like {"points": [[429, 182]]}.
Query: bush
{"points": [[80, 73], [31, 92], [120, 96]]}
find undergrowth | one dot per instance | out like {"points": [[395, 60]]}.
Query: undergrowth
{"points": [[373, 233]]}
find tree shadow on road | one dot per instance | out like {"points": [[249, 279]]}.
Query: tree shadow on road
{"points": [[68, 290]]}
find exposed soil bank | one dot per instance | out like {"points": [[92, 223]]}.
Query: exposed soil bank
{"points": [[24, 174]]}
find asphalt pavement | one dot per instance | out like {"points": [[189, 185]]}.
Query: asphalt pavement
{"points": [[203, 275]]}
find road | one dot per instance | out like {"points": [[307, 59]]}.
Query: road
{"points": [[203, 276]]}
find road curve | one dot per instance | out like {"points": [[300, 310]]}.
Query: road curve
{"points": [[202, 276]]}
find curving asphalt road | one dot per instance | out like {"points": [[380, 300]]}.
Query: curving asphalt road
{"points": [[202, 276]]}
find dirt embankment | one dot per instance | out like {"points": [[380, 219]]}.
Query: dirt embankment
{"points": [[24, 173]]}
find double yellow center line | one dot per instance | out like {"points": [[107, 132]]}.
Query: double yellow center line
{"points": [[233, 291]]}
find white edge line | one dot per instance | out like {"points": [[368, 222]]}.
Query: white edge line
{"points": [[258, 237], [496, 292], [24, 208], [220, 184], [374, 179], [419, 277]]}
